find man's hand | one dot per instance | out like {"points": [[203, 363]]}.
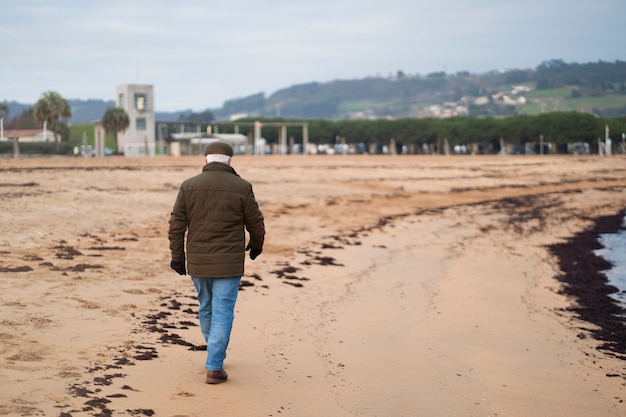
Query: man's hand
{"points": [[179, 266], [253, 252]]}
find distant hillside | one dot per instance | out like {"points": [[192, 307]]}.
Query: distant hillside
{"points": [[83, 111], [598, 88]]}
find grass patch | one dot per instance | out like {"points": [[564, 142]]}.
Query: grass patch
{"points": [[551, 93], [77, 131], [348, 106], [580, 104]]}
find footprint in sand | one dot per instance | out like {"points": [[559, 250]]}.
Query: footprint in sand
{"points": [[89, 305], [183, 394], [10, 409], [26, 357], [39, 322], [68, 374]]}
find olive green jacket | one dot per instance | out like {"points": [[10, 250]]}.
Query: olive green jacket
{"points": [[213, 208]]}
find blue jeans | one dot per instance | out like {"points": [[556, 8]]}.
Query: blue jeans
{"points": [[217, 299]]}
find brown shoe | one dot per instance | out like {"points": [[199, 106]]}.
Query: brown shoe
{"points": [[216, 377]]}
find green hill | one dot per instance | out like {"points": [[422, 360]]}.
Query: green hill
{"points": [[597, 88]]}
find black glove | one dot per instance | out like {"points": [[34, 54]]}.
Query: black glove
{"points": [[178, 266], [253, 252]]}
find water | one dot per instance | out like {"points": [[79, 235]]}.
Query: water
{"points": [[614, 251]]}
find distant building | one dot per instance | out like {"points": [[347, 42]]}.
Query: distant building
{"points": [[29, 135], [238, 116], [193, 143], [138, 101]]}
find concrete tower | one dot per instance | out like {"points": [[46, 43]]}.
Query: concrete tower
{"points": [[138, 101]]}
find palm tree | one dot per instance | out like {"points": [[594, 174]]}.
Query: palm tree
{"points": [[115, 120], [50, 108]]}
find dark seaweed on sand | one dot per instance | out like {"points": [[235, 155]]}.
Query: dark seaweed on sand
{"points": [[583, 279]]}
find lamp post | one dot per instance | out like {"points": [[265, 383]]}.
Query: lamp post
{"points": [[608, 145], [2, 114]]}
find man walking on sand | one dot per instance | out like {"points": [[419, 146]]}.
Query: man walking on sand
{"points": [[213, 208]]}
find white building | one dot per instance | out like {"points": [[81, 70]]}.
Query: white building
{"points": [[193, 143], [29, 135], [138, 101]]}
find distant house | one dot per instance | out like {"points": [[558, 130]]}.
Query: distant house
{"points": [[29, 135], [481, 101]]}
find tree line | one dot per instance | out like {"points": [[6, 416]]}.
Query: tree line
{"points": [[601, 74], [559, 128]]}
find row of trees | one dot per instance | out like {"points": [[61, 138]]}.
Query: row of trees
{"points": [[560, 128], [558, 73]]}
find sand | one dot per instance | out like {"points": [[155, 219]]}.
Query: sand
{"points": [[388, 286]]}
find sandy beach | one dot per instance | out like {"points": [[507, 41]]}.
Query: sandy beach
{"points": [[388, 286]]}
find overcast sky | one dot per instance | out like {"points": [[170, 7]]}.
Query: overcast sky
{"points": [[198, 54]]}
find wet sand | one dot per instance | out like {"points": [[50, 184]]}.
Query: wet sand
{"points": [[389, 286]]}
